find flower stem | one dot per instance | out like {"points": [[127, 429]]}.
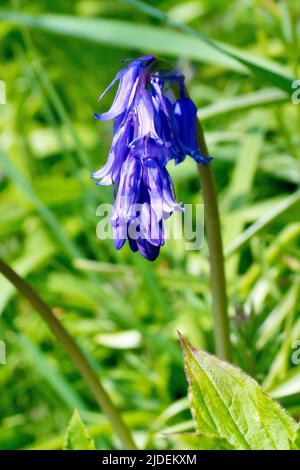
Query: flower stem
{"points": [[75, 353], [217, 271]]}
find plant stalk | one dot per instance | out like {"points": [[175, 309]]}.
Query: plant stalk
{"points": [[216, 257], [75, 353]]}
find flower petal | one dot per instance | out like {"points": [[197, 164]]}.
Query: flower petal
{"points": [[149, 251], [117, 155], [129, 78], [186, 116]]}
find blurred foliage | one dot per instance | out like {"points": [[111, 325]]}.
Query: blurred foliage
{"points": [[123, 310]]}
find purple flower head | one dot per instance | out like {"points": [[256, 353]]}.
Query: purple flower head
{"points": [[154, 122]]}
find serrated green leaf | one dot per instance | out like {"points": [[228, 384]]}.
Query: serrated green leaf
{"points": [[199, 441], [77, 437], [227, 402]]}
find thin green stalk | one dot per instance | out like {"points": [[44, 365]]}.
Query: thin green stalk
{"points": [[75, 353], [217, 271]]}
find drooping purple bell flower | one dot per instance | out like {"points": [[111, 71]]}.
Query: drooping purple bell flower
{"points": [[154, 122]]}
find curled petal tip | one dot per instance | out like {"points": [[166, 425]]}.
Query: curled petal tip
{"points": [[151, 127], [205, 160]]}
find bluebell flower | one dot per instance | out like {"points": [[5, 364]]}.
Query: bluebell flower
{"points": [[154, 122]]}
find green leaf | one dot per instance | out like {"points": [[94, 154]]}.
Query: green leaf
{"points": [[241, 102], [262, 68], [199, 441], [226, 402], [125, 34], [187, 42], [262, 222], [77, 437]]}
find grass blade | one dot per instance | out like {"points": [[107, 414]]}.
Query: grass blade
{"points": [[262, 68], [247, 101], [261, 223], [144, 37]]}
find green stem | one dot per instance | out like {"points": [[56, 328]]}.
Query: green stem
{"points": [[217, 271], [75, 353]]}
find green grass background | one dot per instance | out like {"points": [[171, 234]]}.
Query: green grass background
{"points": [[239, 59]]}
